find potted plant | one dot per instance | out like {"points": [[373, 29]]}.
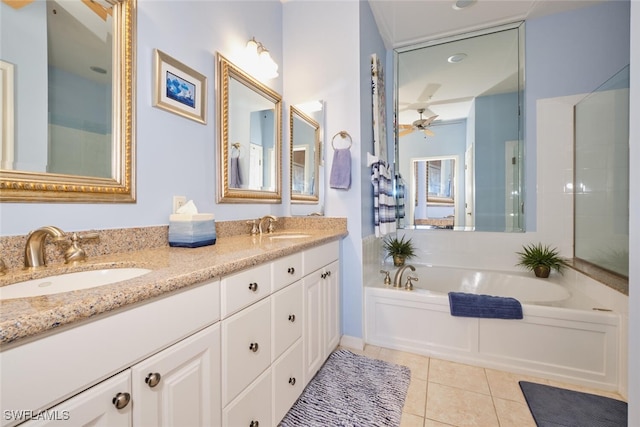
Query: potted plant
{"points": [[540, 259], [400, 249]]}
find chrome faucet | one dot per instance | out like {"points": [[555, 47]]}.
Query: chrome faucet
{"points": [[397, 279], [34, 249], [270, 227]]}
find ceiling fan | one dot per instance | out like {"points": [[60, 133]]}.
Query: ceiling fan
{"points": [[420, 124]]}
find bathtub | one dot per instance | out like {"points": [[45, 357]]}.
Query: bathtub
{"points": [[563, 336]]}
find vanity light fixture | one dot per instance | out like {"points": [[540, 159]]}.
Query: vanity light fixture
{"points": [[259, 56], [463, 4], [455, 58]]}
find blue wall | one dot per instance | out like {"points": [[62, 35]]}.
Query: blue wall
{"points": [[496, 122], [567, 54]]}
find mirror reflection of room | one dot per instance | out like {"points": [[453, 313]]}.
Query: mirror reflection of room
{"points": [[434, 183], [74, 57], [460, 97], [249, 139], [304, 150]]}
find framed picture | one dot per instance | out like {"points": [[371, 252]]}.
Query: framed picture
{"points": [[178, 88]]}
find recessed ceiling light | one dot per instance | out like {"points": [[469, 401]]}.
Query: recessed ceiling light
{"points": [[461, 4], [458, 57], [98, 70]]}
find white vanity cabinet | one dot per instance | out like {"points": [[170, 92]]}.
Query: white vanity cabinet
{"points": [[261, 356], [176, 336], [93, 407], [173, 387], [321, 288], [180, 385]]}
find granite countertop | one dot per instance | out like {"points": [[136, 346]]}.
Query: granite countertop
{"points": [[172, 269]]}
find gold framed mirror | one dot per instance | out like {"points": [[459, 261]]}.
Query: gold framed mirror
{"points": [[304, 154], [72, 158], [250, 137]]}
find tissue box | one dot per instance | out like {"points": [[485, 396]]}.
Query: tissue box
{"points": [[192, 230]]}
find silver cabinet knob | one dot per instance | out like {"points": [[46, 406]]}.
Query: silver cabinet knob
{"points": [[253, 286], [292, 381], [153, 379], [292, 318], [291, 270], [254, 423], [253, 346], [121, 400]]}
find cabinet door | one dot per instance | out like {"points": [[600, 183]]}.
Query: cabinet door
{"points": [[313, 320], [252, 407], [246, 343], [180, 386], [287, 381], [286, 324], [94, 407], [332, 307]]}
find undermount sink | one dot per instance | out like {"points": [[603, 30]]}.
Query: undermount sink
{"points": [[289, 236], [69, 282]]}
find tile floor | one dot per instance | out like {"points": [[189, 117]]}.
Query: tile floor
{"points": [[443, 393]]}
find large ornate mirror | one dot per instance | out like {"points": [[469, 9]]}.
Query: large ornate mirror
{"points": [[304, 133], [68, 98], [249, 142], [461, 97]]}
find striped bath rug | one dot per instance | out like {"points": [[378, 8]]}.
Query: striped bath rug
{"points": [[352, 390]]}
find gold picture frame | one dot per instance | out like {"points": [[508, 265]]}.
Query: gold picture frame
{"points": [[178, 88]]}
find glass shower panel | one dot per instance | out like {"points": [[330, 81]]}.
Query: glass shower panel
{"points": [[601, 194]]}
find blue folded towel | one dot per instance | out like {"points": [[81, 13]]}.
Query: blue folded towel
{"points": [[486, 306], [341, 169]]}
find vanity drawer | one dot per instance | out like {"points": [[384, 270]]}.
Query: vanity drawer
{"points": [[287, 381], [320, 256], [286, 306], [244, 288], [246, 348], [252, 407], [286, 270]]}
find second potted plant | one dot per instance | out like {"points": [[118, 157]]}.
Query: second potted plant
{"points": [[399, 248], [540, 259]]}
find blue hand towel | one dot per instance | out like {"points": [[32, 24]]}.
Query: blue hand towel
{"points": [[486, 306], [341, 169], [235, 180]]}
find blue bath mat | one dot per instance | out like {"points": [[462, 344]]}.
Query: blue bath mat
{"points": [[352, 391], [559, 407]]}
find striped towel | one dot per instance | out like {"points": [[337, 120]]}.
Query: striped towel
{"points": [[384, 206]]}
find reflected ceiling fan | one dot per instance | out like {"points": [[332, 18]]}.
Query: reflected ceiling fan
{"points": [[419, 125]]}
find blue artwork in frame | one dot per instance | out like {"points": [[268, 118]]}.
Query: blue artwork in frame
{"points": [[181, 90]]}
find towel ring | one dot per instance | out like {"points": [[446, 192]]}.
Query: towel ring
{"points": [[344, 134], [235, 146]]}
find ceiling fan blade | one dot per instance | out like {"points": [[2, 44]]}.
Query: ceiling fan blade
{"points": [[405, 126], [428, 132], [428, 92], [430, 120], [405, 132]]}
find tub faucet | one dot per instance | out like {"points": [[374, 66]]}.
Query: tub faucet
{"points": [[34, 248], [397, 280], [270, 227]]}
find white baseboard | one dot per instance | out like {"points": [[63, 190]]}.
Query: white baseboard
{"points": [[352, 342]]}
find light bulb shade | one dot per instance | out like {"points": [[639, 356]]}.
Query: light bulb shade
{"points": [[252, 47]]}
